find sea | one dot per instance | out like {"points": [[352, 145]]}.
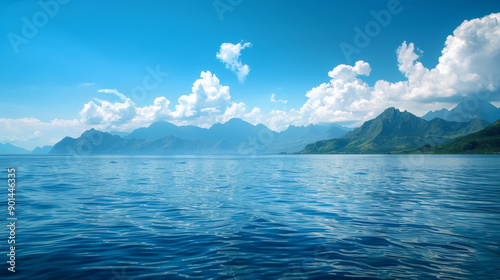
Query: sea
{"points": [[253, 217]]}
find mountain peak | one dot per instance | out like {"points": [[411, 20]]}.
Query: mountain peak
{"points": [[390, 113], [161, 124], [394, 130], [476, 103], [92, 131], [236, 121]]}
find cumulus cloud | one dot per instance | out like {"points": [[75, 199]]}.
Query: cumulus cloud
{"points": [[209, 102], [229, 54], [207, 92], [347, 72], [108, 113], [328, 102], [470, 62], [274, 100]]}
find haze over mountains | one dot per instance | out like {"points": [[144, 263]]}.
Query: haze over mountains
{"points": [[391, 131], [239, 134], [467, 111], [42, 150], [8, 148], [233, 137], [94, 142]]}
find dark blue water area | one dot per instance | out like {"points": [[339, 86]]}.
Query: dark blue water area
{"points": [[260, 217]]}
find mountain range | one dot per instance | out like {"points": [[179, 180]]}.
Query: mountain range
{"points": [[94, 142], [391, 131], [242, 136], [394, 130], [42, 150], [467, 111], [9, 149], [233, 137]]}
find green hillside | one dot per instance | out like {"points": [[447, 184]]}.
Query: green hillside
{"points": [[394, 131], [485, 141]]}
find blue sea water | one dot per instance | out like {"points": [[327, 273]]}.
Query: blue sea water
{"points": [[260, 217]]}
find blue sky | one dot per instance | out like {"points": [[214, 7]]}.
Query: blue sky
{"points": [[87, 46]]}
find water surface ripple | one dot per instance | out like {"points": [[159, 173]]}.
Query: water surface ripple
{"points": [[262, 217]]}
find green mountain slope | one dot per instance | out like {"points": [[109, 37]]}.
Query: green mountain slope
{"points": [[394, 130], [485, 141]]}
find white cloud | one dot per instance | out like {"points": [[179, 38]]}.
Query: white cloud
{"points": [[108, 113], [206, 92], [328, 102], [229, 54], [158, 111], [209, 102], [470, 63], [347, 72], [255, 116], [113, 91], [274, 100]]}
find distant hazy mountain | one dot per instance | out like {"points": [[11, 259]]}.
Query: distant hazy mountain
{"points": [[239, 133], [160, 130], [485, 141], [295, 138], [9, 149], [394, 130], [94, 142], [467, 111], [118, 133], [243, 136], [234, 131], [43, 150]]}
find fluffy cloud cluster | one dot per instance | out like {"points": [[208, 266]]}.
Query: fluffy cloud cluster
{"points": [[470, 62], [106, 112], [209, 102], [345, 98], [332, 101], [229, 54]]}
